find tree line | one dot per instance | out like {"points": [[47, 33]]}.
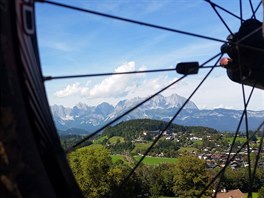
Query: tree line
{"points": [[98, 176], [134, 128]]}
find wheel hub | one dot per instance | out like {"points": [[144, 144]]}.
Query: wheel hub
{"points": [[246, 51], [246, 47]]}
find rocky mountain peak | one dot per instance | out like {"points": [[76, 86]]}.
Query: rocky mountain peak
{"points": [[158, 108]]}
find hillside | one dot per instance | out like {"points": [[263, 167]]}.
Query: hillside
{"points": [[133, 129], [135, 136]]}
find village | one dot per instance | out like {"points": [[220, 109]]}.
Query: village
{"points": [[213, 148]]}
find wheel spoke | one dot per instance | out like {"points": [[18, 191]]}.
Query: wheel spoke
{"points": [[252, 9], [225, 10], [255, 11], [241, 11], [107, 74], [220, 17], [47, 78]]}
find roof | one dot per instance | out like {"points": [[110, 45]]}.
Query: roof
{"points": [[230, 194]]}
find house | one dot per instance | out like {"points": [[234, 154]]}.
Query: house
{"points": [[160, 154], [152, 133], [230, 194], [168, 138], [200, 156], [211, 165], [195, 138]]}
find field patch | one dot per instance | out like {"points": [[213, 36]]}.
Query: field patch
{"points": [[254, 195], [126, 159], [155, 160], [240, 139], [96, 145], [115, 158], [198, 142], [187, 149], [141, 147], [100, 139], [116, 139]]}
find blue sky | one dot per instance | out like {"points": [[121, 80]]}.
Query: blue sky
{"points": [[72, 42]]}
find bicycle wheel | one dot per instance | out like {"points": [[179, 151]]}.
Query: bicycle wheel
{"points": [[50, 138]]}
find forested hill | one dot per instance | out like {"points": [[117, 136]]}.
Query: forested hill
{"points": [[134, 128]]}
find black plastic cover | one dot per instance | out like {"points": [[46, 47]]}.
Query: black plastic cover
{"points": [[187, 68]]}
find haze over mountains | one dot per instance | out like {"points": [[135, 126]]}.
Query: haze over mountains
{"points": [[89, 118]]}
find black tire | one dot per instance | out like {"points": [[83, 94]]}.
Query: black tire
{"points": [[32, 161]]}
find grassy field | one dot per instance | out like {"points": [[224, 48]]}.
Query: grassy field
{"points": [[114, 139], [254, 195], [141, 147], [126, 159], [198, 142], [166, 197], [96, 145], [156, 160], [100, 139], [240, 139], [187, 149], [147, 160], [117, 157]]}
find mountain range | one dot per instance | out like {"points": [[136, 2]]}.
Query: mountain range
{"points": [[90, 118]]}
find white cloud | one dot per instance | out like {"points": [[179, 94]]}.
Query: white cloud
{"points": [[149, 86], [116, 85], [217, 92], [113, 86], [69, 90]]}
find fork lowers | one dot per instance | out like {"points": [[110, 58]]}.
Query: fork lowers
{"points": [[246, 51]]}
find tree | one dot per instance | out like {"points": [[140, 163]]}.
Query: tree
{"points": [[97, 176], [167, 178], [90, 166], [152, 180], [237, 178], [116, 176], [155, 181], [261, 192], [190, 177]]}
